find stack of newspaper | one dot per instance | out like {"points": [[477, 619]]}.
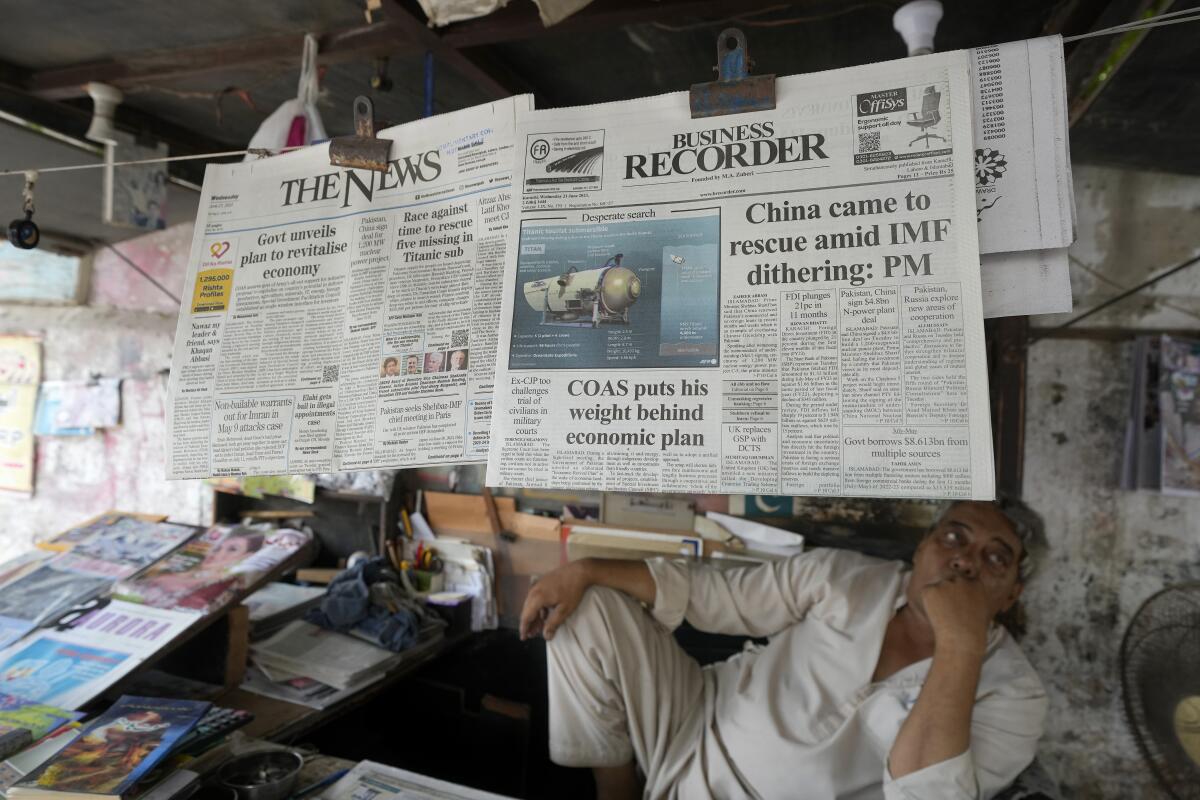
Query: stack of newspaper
{"points": [[622, 297], [1023, 190]]}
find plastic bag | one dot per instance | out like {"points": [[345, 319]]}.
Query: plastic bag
{"points": [[296, 121]]}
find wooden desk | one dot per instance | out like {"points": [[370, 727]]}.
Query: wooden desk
{"points": [[281, 721]]}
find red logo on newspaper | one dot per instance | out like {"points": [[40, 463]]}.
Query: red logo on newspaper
{"points": [[218, 254]]}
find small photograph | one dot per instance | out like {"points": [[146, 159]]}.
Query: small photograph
{"points": [[456, 360], [390, 368], [636, 294], [435, 361], [412, 364]]}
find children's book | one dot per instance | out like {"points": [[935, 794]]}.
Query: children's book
{"points": [[114, 751]]}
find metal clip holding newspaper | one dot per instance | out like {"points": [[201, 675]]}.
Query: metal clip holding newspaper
{"points": [[363, 150], [736, 90]]}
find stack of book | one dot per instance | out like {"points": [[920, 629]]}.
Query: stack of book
{"points": [[302, 649], [277, 604], [113, 753]]}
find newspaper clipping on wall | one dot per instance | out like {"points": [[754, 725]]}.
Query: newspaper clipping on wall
{"points": [[338, 319], [777, 302]]}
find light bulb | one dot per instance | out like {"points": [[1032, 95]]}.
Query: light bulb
{"points": [[105, 100], [917, 22]]}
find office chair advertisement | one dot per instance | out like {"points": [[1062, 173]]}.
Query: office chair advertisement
{"points": [[910, 124]]}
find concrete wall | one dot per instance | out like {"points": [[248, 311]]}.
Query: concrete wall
{"points": [[125, 331], [1110, 550]]}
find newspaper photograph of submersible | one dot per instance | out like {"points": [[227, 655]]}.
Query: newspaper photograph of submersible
{"points": [[782, 302], [340, 319]]}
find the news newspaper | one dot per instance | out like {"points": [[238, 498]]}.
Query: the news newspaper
{"points": [[777, 302], [339, 319]]}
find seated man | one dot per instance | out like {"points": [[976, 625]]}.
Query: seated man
{"points": [[877, 681]]}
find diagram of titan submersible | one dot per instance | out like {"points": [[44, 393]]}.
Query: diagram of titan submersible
{"points": [[586, 299]]}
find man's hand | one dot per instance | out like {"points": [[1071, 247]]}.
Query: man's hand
{"points": [[552, 599], [959, 613]]}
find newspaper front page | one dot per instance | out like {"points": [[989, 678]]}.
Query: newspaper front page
{"points": [[778, 302], [338, 319]]}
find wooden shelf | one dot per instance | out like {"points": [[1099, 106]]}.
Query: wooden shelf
{"points": [[281, 721]]}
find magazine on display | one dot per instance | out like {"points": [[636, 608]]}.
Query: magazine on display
{"points": [[114, 751], [214, 568], [68, 666]]}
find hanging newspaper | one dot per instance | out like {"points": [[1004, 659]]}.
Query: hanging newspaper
{"points": [[778, 302], [339, 319]]}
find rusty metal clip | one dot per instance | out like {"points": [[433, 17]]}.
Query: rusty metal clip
{"points": [[736, 90], [363, 150]]}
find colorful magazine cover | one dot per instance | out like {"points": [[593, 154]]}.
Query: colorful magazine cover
{"points": [[132, 543], [48, 669], [43, 594], [214, 568], [1179, 406], [119, 747], [37, 718], [22, 565], [67, 539]]}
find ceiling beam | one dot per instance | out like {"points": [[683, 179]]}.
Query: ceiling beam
{"points": [[399, 30], [74, 120], [518, 21], [156, 66], [409, 27]]}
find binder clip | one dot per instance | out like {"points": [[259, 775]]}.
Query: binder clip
{"points": [[735, 90], [362, 150]]}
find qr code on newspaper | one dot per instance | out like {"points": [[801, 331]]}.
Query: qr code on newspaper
{"points": [[458, 338], [868, 142], [329, 374]]}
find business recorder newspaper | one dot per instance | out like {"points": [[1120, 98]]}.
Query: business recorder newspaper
{"points": [[339, 319], [778, 302]]}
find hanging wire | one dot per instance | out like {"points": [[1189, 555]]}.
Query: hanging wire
{"points": [[747, 18], [1159, 21], [140, 271], [257, 151], [1114, 300]]}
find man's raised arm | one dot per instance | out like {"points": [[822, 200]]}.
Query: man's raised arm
{"points": [[552, 599], [758, 600]]}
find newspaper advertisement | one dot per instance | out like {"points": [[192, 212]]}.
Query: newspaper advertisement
{"points": [[776, 302], [340, 319]]}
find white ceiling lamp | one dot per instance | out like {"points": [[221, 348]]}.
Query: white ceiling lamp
{"points": [[105, 100], [917, 22]]}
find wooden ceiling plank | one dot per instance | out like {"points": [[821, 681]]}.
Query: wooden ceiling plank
{"points": [[519, 21], [409, 27], [157, 66]]}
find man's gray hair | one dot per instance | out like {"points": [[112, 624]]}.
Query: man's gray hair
{"points": [[1026, 523]]}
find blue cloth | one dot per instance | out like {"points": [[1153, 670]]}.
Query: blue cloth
{"points": [[347, 606]]}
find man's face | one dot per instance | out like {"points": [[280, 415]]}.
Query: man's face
{"points": [[977, 542], [391, 368], [412, 364]]}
